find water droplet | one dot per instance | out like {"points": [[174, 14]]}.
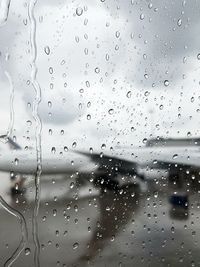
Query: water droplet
{"points": [[29, 123], [54, 212], [53, 150], [142, 16], [198, 56], [117, 34], [86, 51], [75, 245], [49, 104], [87, 84], [74, 144], [79, 11], [116, 47], [111, 111], [166, 83], [150, 5], [16, 161], [47, 50], [57, 232], [145, 56], [88, 104], [16, 186], [103, 146], [129, 94], [97, 70], [144, 141], [161, 107], [72, 185], [112, 238], [76, 208], [5, 5], [29, 105], [155, 194], [179, 22], [51, 70], [175, 156], [88, 117], [27, 251]]}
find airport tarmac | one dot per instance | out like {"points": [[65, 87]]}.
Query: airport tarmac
{"points": [[83, 226]]}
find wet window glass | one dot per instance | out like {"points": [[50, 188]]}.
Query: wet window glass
{"points": [[99, 133]]}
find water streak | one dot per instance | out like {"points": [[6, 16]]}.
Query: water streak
{"points": [[10, 127], [4, 11], [36, 117], [24, 232]]}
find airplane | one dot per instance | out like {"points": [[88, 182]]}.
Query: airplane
{"points": [[179, 157]]}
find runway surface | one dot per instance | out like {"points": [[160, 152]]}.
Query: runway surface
{"points": [[78, 225]]}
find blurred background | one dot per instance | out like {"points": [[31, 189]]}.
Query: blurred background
{"points": [[100, 133]]}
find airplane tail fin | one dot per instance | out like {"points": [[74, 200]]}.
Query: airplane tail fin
{"points": [[8, 140]]}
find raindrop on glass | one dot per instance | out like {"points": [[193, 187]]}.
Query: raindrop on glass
{"points": [[142, 16], [117, 34], [97, 70], [88, 117], [47, 50], [103, 146], [179, 22], [53, 150], [175, 156], [166, 83], [75, 245], [51, 70], [27, 251], [161, 107], [129, 94], [74, 144], [111, 111], [79, 11]]}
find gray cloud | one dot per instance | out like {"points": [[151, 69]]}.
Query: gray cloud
{"points": [[125, 41]]}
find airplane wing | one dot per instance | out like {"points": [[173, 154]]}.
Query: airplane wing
{"points": [[129, 162], [113, 164], [168, 161]]}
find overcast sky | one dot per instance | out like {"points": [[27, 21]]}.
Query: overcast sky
{"points": [[112, 72]]}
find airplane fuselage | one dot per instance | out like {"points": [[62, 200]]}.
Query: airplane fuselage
{"points": [[25, 162], [22, 162]]}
